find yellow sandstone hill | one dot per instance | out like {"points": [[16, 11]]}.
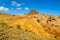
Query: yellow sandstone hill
{"points": [[44, 25]]}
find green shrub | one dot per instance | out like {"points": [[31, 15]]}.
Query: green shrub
{"points": [[4, 25], [19, 26], [38, 20], [26, 30]]}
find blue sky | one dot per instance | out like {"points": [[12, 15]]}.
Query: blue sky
{"points": [[24, 6]]}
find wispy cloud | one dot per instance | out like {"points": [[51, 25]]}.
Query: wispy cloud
{"points": [[3, 8], [18, 4], [26, 8], [14, 3], [18, 8]]}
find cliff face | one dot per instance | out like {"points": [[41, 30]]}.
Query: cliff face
{"points": [[44, 25]]}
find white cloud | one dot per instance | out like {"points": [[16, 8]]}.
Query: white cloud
{"points": [[18, 8], [4, 9], [18, 4], [1, 8], [13, 3], [26, 8]]}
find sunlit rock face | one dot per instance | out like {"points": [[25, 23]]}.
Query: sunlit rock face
{"points": [[34, 23], [47, 20]]}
